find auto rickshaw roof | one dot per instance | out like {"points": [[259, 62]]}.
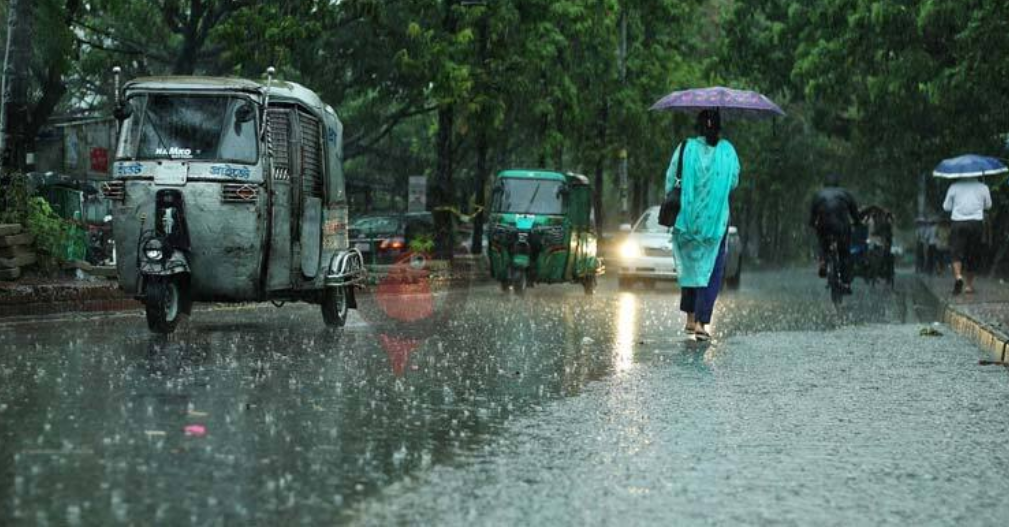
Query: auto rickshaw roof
{"points": [[532, 174], [279, 90]]}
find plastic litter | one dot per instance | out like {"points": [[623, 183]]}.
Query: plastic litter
{"points": [[196, 430]]}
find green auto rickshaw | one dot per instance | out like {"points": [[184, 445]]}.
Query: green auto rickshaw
{"points": [[541, 230]]}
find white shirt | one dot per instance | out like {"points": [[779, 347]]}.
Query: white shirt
{"points": [[967, 200]]}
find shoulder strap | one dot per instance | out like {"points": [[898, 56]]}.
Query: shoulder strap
{"points": [[679, 163]]}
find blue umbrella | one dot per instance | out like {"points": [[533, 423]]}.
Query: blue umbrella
{"points": [[966, 166]]}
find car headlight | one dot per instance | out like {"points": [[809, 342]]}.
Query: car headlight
{"points": [[153, 250], [630, 249]]}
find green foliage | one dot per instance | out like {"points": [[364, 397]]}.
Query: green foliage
{"points": [[422, 244], [892, 87], [14, 196], [878, 91], [56, 240]]}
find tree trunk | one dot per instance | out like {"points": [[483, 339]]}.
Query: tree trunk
{"points": [[597, 196], [444, 192], [476, 245], [482, 148], [637, 197], [444, 189], [20, 25]]}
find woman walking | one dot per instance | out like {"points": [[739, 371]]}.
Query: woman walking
{"points": [[710, 172]]}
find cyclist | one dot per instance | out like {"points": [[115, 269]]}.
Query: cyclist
{"points": [[833, 213]]}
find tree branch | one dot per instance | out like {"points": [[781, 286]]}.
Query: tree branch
{"points": [[356, 145], [137, 48]]}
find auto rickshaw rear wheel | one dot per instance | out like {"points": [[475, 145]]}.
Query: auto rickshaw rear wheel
{"points": [[518, 278], [335, 306], [164, 303]]}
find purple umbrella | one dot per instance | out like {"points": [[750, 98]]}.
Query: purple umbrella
{"points": [[732, 102]]}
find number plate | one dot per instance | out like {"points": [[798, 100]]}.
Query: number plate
{"points": [[170, 173]]}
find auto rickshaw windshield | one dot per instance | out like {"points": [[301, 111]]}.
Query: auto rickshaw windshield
{"points": [[530, 196], [190, 127]]}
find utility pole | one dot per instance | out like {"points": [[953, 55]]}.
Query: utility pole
{"points": [[622, 171], [17, 62]]}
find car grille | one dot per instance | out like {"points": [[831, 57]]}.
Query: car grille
{"points": [[658, 253], [550, 236]]}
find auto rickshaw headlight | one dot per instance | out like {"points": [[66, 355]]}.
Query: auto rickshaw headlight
{"points": [[153, 250], [630, 249]]}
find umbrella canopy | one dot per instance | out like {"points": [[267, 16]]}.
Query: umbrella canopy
{"points": [[966, 166], [733, 102]]}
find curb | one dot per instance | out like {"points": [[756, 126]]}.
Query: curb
{"points": [[27, 302], [995, 343], [47, 299]]}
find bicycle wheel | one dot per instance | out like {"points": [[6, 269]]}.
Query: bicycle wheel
{"points": [[834, 276]]}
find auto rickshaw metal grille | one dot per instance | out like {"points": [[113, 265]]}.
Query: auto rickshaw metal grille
{"points": [[280, 138], [311, 154], [239, 193], [114, 190]]}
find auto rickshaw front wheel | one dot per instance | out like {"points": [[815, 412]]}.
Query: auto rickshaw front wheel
{"points": [[335, 306], [589, 284], [165, 301]]}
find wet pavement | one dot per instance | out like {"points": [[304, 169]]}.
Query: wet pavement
{"points": [[553, 408]]}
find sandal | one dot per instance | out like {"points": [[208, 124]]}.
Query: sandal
{"points": [[701, 335]]}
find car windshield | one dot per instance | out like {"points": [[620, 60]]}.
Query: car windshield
{"points": [[649, 222], [529, 196], [187, 127]]}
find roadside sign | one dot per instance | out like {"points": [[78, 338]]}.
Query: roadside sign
{"points": [[417, 194]]}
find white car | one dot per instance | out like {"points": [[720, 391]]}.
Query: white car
{"points": [[646, 254]]}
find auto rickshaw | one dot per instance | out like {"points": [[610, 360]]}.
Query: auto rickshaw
{"points": [[229, 190], [871, 246], [541, 230]]}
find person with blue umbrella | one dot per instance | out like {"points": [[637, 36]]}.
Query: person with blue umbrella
{"points": [[966, 201]]}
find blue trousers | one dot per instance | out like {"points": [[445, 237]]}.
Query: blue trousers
{"points": [[701, 301]]}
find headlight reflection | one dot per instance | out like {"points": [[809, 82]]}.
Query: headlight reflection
{"points": [[627, 330]]}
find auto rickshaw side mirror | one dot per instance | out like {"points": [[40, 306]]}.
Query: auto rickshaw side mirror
{"points": [[244, 113], [122, 111]]}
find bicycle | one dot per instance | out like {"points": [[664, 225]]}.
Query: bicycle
{"points": [[835, 282]]}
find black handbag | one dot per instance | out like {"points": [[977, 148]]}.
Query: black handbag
{"points": [[670, 208]]}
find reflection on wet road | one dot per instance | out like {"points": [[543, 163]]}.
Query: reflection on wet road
{"points": [[549, 408]]}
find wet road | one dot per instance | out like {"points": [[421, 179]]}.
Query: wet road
{"points": [[550, 409]]}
